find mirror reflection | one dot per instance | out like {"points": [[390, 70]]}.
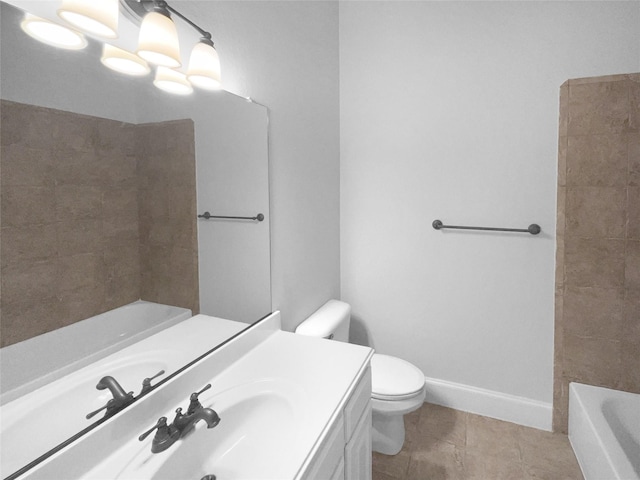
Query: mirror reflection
{"points": [[103, 177]]}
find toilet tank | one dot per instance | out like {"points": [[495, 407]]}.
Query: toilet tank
{"points": [[330, 321]]}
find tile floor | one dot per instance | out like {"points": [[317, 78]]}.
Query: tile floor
{"points": [[446, 444]]}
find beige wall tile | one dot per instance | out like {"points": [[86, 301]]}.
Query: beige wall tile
{"points": [[594, 312], [597, 160], [633, 213], [594, 262], [630, 375], [631, 322], [562, 160], [21, 321], [632, 265], [26, 283], [592, 360], [634, 158], [28, 244], [596, 108], [78, 271], [634, 99], [596, 211], [90, 168], [79, 236], [25, 125], [27, 205], [22, 165], [122, 290], [78, 201]]}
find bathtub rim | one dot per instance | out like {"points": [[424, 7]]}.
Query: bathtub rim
{"points": [[591, 436], [23, 372]]}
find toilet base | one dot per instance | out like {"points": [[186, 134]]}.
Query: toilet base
{"points": [[387, 433]]}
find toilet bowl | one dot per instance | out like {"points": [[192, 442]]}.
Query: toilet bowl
{"points": [[398, 387]]}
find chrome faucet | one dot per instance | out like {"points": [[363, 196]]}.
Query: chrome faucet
{"points": [[183, 423], [120, 398]]}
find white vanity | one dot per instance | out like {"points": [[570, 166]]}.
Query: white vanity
{"points": [[290, 407]]}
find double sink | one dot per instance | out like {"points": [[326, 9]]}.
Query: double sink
{"points": [[276, 394]]}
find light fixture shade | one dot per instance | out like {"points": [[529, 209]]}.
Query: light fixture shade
{"points": [[204, 67], [52, 33], [122, 61], [172, 81], [97, 17], [158, 40]]}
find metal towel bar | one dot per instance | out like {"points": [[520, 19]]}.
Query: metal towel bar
{"points": [[533, 229], [206, 215]]}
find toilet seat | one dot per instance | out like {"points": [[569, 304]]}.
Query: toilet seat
{"points": [[394, 379]]}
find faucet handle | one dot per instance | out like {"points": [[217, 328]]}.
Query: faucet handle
{"points": [[164, 437], [146, 383], [194, 403], [162, 423], [95, 412]]}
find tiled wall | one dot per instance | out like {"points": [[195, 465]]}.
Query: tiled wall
{"points": [[168, 236], [70, 232], [597, 326]]}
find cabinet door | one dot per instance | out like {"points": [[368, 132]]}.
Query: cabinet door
{"points": [[357, 453]]}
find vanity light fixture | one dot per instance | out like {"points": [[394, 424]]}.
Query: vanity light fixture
{"points": [[158, 44], [96, 17], [158, 41], [124, 62], [172, 81], [52, 34], [204, 65]]}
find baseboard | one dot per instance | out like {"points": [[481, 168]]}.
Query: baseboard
{"points": [[520, 410]]}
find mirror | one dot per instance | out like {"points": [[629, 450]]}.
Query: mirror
{"points": [[102, 178]]}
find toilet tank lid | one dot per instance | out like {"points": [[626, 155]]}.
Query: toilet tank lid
{"points": [[392, 376], [324, 321]]}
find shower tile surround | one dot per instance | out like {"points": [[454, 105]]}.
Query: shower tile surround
{"points": [[95, 212], [597, 319]]}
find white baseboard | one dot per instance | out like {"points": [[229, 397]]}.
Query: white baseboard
{"points": [[520, 410]]}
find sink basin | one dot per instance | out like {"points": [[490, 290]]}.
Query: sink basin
{"points": [[257, 427], [76, 393]]}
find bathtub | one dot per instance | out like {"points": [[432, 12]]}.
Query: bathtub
{"points": [[30, 364], [604, 430]]}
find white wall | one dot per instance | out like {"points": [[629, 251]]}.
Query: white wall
{"points": [[449, 110], [284, 55]]}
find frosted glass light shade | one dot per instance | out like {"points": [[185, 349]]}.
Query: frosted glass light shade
{"points": [[204, 67], [122, 61], [172, 81], [97, 17], [52, 33], [158, 41]]}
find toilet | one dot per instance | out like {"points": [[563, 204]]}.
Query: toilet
{"points": [[398, 387]]}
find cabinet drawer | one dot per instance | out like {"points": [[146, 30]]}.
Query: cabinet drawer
{"points": [[359, 401]]}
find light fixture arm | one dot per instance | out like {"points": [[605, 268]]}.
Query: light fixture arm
{"points": [[206, 36]]}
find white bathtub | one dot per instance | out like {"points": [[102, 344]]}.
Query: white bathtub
{"points": [[604, 430], [30, 364]]}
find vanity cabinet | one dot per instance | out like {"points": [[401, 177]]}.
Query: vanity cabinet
{"points": [[345, 453]]}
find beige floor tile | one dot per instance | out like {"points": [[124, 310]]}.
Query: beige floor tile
{"points": [[492, 467], [441, 423], [547, 452], [491, 437], [395, 466], [383, 476], [441, 460]]}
